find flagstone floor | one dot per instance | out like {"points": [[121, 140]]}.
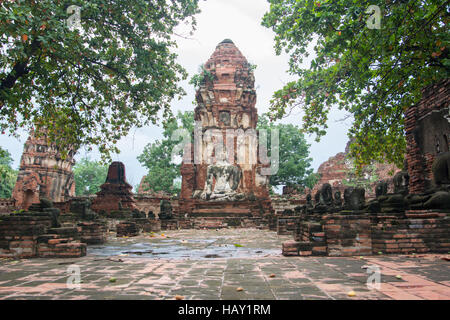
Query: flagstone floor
{"points": [[223, 264]]}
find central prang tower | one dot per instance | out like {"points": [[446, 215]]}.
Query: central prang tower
{"points": [[225, 175]]}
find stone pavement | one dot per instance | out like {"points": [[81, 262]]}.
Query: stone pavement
{"points": [[210, 264]]}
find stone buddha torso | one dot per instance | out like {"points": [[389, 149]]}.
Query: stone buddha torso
{"points": [[226, 177]]}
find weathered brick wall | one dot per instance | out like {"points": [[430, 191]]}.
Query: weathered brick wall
{"points": [[254, 222], [308, 231], [92, 232], [43, 173], [29, 236], [348, 235], [282, 203], [411, 235], [186, 223], [60, 248], [127, 229], [19, 234], [152, 225], [169, 224], [296, 248], [63, 206], [312, 233], [272, 222], [152, 202], [309, 239], [286, 224], [427, 133]]}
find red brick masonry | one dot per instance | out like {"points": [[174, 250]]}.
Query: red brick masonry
{"points": [[29, 236], [349, 235], [427, 133]]}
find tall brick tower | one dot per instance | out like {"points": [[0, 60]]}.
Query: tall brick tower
{"points": [[224, 174], [43, 173]]}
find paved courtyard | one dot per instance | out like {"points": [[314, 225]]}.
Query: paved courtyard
{"points": [[220, 264]]}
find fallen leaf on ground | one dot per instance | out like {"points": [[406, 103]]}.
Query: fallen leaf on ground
{"points": [[177, 297], [351, 293], [272, 276], [240, 289]]}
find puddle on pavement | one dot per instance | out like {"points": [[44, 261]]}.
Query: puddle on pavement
{"points": [[195, 249]]}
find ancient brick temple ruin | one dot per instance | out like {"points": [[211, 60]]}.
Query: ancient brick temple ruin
{"points": [[225, 184], [413, 218], [338, 172], [43, 173], [223, 176]]}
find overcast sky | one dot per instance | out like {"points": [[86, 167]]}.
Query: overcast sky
{"points": [[239, 21]]}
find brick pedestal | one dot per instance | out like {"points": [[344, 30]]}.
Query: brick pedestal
{"points": [[92, 232], [127, 229]]}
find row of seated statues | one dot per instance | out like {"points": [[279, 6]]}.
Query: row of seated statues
{"points": [[353, 201]]}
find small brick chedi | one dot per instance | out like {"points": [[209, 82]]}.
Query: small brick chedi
{"points": [[222, 173], [115, 193], [43, 173]]}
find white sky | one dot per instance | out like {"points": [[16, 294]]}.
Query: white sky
{"points": [[240, 21]]}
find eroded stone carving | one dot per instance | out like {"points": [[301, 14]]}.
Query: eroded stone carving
{"points": [[441, 169], [354, 198], [337, 199], [381, 189], [401, 182], [221, 182]]}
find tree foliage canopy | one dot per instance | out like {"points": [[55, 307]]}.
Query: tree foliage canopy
{"points": [[374, 74], [89, 86], [8, 175], [163, 172], [294, 162], [89, 176]]}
